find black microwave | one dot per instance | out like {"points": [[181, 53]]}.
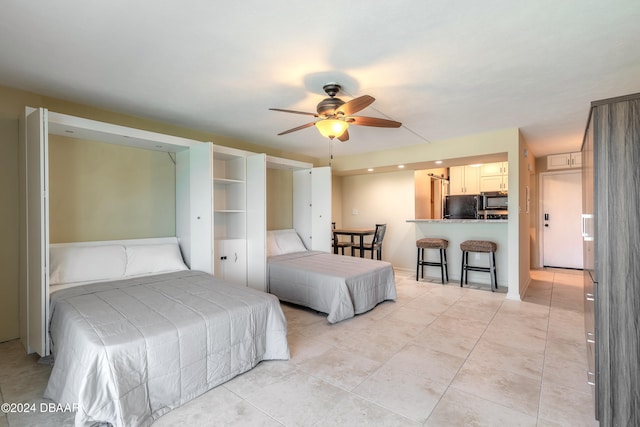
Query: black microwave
{"points": [[495, 200]]}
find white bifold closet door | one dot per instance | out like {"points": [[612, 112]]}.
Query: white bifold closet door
{"points": [[201, 205], [312, 207], [256, 178], [35, 300]]}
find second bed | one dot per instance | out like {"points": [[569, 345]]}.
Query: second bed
{"points": [[341, 286]]}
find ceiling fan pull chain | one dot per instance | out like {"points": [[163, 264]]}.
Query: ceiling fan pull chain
{"points": [[330, 152]]}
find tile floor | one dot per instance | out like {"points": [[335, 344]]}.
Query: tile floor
{"points": [[438, 356]]}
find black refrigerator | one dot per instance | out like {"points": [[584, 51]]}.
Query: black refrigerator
{"points": [[461, 206]]}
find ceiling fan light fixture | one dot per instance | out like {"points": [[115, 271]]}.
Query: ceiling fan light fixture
{"points": [[331, 128]]}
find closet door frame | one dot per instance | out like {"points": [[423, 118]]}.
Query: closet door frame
{"points": [[36, 125]]}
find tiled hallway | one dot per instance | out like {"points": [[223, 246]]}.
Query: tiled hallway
{"points": [[438, 356]]}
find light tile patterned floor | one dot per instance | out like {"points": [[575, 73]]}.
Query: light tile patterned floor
{"points": [[438, 356]]}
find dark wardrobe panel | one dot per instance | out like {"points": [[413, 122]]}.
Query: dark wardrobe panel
{"points": [[616, 176]]}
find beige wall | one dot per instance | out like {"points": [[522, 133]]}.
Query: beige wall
{"points": [[384, 198], [104, 191], [279, 199], [9, 211]]}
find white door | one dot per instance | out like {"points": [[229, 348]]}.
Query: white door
{"points": [[561, 219], [37, 232], [193, 206], [321, 209], [257, 222], [231, 261], [302, 203], [312, 207]]}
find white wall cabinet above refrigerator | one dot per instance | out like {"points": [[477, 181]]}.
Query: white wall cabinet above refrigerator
{"points": [[464, 180], [564, 161]]}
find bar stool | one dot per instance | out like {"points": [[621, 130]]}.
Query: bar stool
{"points": [[433, 243], [484, 246]]}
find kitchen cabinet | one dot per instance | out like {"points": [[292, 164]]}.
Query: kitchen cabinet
{"points": [[564, 161], [611, 230], [492, 169], [494, 177], [464, 180]]}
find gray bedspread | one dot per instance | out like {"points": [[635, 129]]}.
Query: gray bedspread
{"points": [[341, 286], [131, 350]]}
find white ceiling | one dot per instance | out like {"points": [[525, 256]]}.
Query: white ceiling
{"points": [[443, 68]]}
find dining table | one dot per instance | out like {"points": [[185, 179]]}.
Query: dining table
{"points": [[353, 233]]}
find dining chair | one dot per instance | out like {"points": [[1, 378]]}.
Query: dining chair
{"points": [[336, 243], [376, 244]]}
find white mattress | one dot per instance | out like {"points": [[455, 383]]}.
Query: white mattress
{"points": [[341, 286], [129, 351]]}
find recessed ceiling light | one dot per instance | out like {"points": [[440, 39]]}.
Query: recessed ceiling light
{"points": [[401, 166], [370, 170], [438, 162]]}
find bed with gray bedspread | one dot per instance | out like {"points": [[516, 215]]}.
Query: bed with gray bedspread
{"points": [[128, 351], [341, 286]]}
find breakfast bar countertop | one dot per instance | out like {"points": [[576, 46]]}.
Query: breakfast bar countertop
{"points": [[460, 221]]}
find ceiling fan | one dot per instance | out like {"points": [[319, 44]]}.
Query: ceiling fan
{"points": [[336, 115]]}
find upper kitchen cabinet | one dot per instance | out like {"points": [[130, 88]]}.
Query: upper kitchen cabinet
{"points": [[494, 176], [492, 169], [564, 161], [464, 180]]}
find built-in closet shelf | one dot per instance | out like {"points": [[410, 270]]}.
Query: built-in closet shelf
{"points": [[227, 181]]}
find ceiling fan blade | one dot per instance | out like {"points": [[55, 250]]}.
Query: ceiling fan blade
{"points": [[355, 105], [297, 128], [345, 136], [294, 112], [374, 121]]}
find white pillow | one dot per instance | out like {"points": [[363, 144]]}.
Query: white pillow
{"points": [[272, 245], [145, 259], [70, 264], [288, 241]]}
